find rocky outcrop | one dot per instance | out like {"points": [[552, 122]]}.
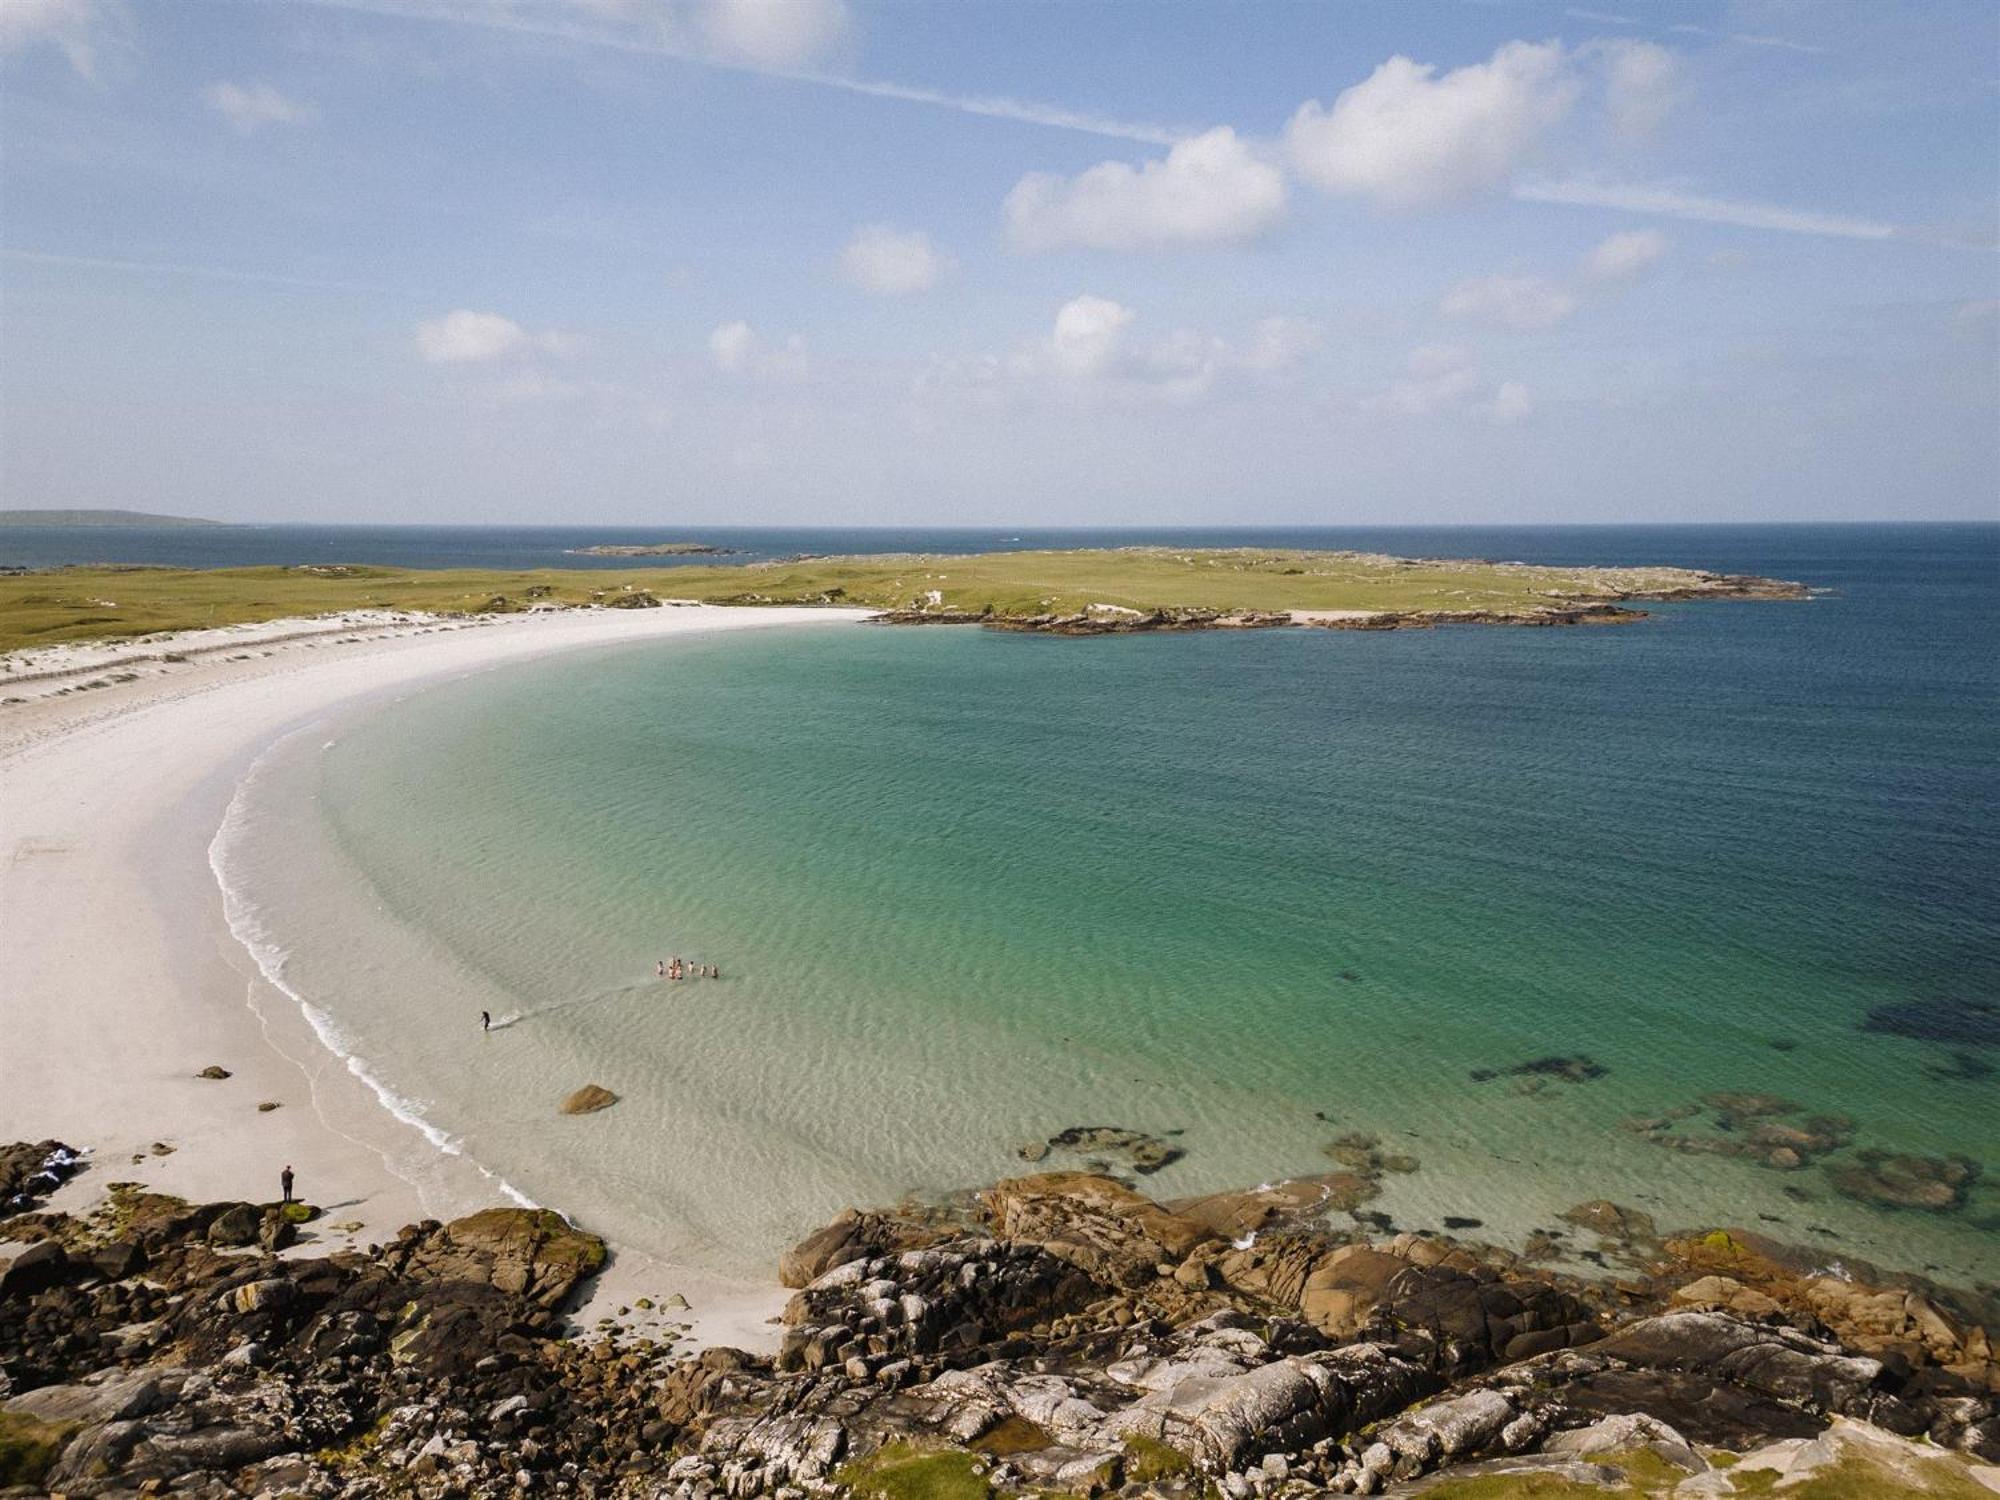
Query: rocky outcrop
{"points": [[1064, 1333], [531, 1253], [851, 1236]]}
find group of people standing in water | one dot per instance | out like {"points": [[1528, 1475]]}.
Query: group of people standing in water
{"points": [[673, 968], [666, 968]]}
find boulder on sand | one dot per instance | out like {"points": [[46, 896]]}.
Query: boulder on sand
{"points": [[589, 1099]]}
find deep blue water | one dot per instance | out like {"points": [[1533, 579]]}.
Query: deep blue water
{"points": [[1924, 555]]}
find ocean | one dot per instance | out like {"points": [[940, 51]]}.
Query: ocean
{"points": [[1253, 894]]}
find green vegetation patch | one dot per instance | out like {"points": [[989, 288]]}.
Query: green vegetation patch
{"points": [[1014, 1435], [901, 1472], [28, 1447], [105, 603], [1148, 1460]]}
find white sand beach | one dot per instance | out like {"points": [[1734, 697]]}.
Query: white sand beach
{"points": [[122, 980]]}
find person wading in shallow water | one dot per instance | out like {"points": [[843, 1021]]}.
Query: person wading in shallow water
{"points": [[285, 1180]]}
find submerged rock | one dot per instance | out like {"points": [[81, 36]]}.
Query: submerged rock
{"points": [[1961, 1023], [1936, 1184], [1143, 1153], [588, 1100], [1580, 1068]]}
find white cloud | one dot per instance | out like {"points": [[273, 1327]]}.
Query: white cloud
{"points": [[738, 349], [1624, 256], [892, 262], [1280, 343], [1213, 189], [775, 33], [1977, 318], [733, 345], [1674, 203], [1088, 334], [1434, 377], [252, 106], [467, 337], [1511, 403], [1642, 84], [1440, 378], [1093, 352], [1406, 136], [76, 28], [464, 336], [1522, 303]]}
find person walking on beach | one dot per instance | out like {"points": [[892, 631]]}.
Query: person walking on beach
{"points": [[486, 1020], [285, 1181]]}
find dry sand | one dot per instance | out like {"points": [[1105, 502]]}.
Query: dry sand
{"points": [[120, 979]]}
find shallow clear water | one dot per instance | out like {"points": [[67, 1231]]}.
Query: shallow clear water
{"points": [[967, 889]]}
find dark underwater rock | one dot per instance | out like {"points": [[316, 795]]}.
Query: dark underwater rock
{"points": [[1934, 1184], [1955, 1022]]}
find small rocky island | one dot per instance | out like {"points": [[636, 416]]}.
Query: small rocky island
{"points": [[652, 549], [1053, 1334]]}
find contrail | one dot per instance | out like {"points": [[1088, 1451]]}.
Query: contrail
{"points": [[1674, 204], [169, 268], [1027, 112]]}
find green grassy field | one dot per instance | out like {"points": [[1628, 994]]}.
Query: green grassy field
{"points": [[72, 604]]}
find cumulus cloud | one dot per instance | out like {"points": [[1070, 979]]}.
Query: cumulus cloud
{"points": [[467, 337], [1280, 343], [1978, 318], [1088, 334], [1642, 84], [75, 28], [250, 107], [1521, 303], [1407, 136], [1511, 403], [1440, 378], [1525, 304], [892, 262], [738, 349], [1211, 189], [1094, 350], [1624, 256], [775, 33]]}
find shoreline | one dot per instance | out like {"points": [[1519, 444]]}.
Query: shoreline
{"points": [[127, 979]]}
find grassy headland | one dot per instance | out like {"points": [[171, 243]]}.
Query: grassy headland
{"points": [[1075, 590]]}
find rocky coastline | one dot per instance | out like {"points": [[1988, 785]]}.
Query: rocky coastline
{"points": [[1055, 1333], [1116, 620]]}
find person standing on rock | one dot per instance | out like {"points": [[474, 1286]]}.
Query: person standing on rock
{"points": [[285, 1181]]}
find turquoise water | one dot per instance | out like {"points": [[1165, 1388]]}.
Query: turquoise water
{"points": [[968, 889]]}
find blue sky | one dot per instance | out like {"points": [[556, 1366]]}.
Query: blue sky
{"points": [[784, 261]]}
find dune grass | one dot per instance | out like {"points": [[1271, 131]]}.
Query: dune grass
{"points": [[104, 603]]}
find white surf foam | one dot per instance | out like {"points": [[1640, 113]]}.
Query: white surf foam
{"points": [[246, 925]]}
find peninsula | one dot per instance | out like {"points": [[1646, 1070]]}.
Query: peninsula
{"points": [[1072, 591], [653, 549], [98, 518]]}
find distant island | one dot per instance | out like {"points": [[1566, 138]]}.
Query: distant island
{"points": [[98, 518], [652, 549], [1084, 591]]}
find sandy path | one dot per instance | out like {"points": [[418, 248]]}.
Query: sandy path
{"points": [[120, 981]]}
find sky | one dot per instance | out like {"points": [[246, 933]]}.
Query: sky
{"points": [[952, 262]]}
